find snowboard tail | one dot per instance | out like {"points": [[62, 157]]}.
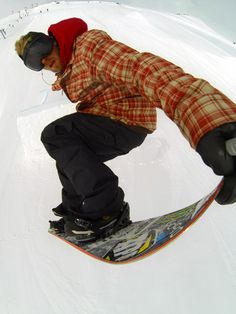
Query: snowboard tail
{"points": [[145, 237]]}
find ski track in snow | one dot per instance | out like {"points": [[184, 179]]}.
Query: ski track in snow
{"points": [[40, 274]]}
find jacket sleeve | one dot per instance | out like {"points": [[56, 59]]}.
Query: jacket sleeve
{"points": [[192, 103]]}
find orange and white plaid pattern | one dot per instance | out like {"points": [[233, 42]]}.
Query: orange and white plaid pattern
{"points": [[110, 79]]}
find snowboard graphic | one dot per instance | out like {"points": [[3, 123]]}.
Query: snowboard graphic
{"points": [[145, 237]]}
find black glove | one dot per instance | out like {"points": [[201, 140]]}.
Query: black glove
{"points": [[212, 148]]}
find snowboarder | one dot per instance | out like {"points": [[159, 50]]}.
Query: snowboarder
{"points": [[117, 90]]}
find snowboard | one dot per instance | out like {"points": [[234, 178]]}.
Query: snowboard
{"points": [[143, 238]]}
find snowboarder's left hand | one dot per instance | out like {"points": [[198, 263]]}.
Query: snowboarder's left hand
{"points": [[212, 148]]}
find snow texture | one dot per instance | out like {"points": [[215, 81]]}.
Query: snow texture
{"points": [[40, 274]]}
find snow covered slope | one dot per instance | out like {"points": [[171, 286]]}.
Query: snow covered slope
{"points": [[39, 274], [217, 14]]}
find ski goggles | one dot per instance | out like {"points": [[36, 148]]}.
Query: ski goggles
{"points": [[39, 47]]}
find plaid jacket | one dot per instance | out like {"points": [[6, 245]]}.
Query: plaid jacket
{"points": [[111, 79]]}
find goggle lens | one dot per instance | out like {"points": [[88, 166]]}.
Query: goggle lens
{"points": [[38, 48]]}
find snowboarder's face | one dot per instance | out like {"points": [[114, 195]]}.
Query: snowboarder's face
{"points": [[52, 62]]}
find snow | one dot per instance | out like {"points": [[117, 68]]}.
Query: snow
{"points": [[40, 274]]}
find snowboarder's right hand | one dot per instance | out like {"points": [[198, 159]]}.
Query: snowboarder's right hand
{"points": [[56, 85], [212, 148]]}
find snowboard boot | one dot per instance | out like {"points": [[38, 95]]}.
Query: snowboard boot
{"points": [[86, 230], [57, 226], [59, 211]]}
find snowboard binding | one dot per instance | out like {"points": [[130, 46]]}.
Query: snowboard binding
{"points": [[83, 230]]}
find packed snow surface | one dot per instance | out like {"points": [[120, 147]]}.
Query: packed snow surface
{"points": [[40, 274]]}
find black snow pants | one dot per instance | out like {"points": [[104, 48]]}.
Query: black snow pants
{"points": [[80, 144]]}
